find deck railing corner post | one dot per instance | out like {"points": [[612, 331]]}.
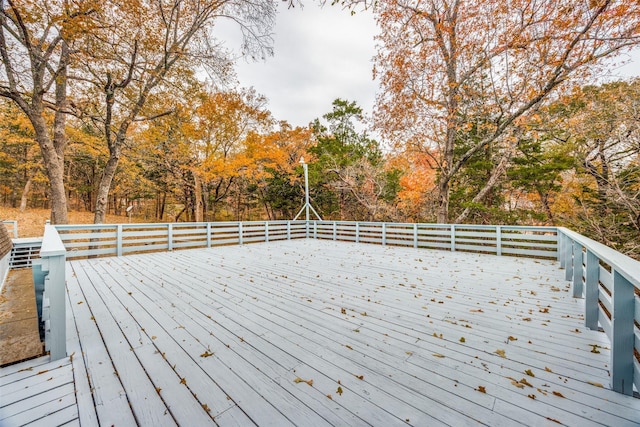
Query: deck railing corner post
{"points": [[498, 240], [53, 256]]}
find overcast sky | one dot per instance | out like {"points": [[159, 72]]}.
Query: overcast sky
{"points": [[322, 54]]}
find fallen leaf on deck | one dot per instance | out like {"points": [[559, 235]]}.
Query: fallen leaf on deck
{"points": [[595, 348], [183, 381], [557, 393], [554, 420], [547, 369], [512, 338], [349, 347], [206, 354], [206, 407], [329, 397], [481, 389], [360, 377], [343, 311], [529, 372], [339, 391], [595, 384], [300, 380], [531, 396], [477, 311], [79, 302], [462, 339], [409, 353], [438, 355], [525, 382], [501, 353], [517, 384]]}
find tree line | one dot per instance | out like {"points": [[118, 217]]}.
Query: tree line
{"points": [[483, 110]]}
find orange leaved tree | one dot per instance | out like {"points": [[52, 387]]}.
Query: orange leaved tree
{"points": [[461, 73]]}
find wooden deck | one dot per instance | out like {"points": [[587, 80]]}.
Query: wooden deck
{"points": [[310, 333]]}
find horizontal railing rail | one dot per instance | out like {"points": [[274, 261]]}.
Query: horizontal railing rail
{"points": [[120, 239], [610, 284]]}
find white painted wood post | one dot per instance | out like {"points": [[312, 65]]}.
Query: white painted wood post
{"points": [[592, 278], [384, 234], [577, 270], [559, 240], [240, 241], [288, 230], [453, 238], [208, 234], [415, 235], [315, 230], [335, 231], [622, 337], [119, 240], [569, 248], [498, 240], [170, 236], [307, 229], [357, 232], [53, 256], [266, 231]]}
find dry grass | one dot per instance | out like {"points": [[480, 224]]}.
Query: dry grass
{"points": [[31, 222]]}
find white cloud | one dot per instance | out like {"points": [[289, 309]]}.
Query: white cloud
{"points": [[320, 54]]}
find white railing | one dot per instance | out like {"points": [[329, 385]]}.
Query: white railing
{"points": [[119, 239], [610, 284], [12, 227], [608, 280]]}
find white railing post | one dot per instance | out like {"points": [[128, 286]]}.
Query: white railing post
{"points": [[208, 234], [335, 231], [119, 240], [240, 240], [453, 238], [306, 229], [357, 232], [559, 243], [498, 240], [288, 230], [415, 235], [384, 234], [266, 231], [53, 256], [577, 270], [622, 337], [315, 230], [170, 236], [592, 279], [569, 249]]}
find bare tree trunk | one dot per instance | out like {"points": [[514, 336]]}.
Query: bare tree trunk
{"points": [[25, 195], [497, 172], [199, 217]]}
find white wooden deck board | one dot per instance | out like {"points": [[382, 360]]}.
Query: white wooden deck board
{"points": [[358, 317]]}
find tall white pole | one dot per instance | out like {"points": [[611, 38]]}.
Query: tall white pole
{"points": [[306, 189]]}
